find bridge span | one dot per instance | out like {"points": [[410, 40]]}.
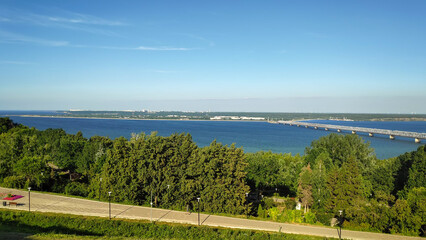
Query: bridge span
{"points": [[371, 131]]}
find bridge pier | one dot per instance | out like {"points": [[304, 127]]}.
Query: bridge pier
{"points": [[417, 136]]}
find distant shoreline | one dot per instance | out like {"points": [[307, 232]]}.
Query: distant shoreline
{"points": [[222, 120], [141, 119]]}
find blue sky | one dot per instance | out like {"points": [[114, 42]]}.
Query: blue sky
{"points": [[281, 56]]}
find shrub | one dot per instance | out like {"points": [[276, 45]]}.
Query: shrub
{"points": [[274, 213], [290, 204], [310, 217], [292, 216], [262, 213], [268, 203], [14, 182], [324, 217], [76, 188]]}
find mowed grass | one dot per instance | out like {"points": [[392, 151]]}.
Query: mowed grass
{"points": [[34, 225]]}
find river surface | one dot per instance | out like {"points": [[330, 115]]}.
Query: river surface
{"points": [[252, 136]]}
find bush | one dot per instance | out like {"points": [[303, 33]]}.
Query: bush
{"points": [[310, 217], [14, 182], [76, 188], [262, 213], [274, 213], [268, 203], [290, 204], [324, 217], [291, 216]]}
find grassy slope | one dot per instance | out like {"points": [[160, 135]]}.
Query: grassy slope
{"points": [[25, 225]]}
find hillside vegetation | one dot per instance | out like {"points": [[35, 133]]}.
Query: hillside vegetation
{"points": [[337, 172]]}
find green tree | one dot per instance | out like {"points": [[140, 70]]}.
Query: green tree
{"points": [[340, 148], [304, 191], [402, 220], [411, 171], [32, 169], [223, 181], [319, 177], [417, 201], [346, 187], [268, 171], [6, 124]]}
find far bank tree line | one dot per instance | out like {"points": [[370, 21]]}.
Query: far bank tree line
{"points": [[337, 172]]}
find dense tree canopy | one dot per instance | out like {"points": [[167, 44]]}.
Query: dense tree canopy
{"points": [[337, 172]]}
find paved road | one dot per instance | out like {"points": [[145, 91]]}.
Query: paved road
{"points": [[52, 203]]}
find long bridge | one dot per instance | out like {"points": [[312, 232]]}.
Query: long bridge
{"points": [[371, 131]]}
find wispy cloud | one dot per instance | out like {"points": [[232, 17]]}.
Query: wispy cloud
{"points": [[145, 48], [8, 37], [18, 38], [63, 19], [78, 18], [60, 16]]}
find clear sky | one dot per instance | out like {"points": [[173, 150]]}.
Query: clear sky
{"points": [[239, 55]]}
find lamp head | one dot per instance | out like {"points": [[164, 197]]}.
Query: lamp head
{"points": [[340, 212], [198, 198], [29, 188], [109, 193]]}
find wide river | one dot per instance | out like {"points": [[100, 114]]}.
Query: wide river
{"points": [[252, 136]]}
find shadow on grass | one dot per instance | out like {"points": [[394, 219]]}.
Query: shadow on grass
{"points": [[22, 231], [14, 235]]}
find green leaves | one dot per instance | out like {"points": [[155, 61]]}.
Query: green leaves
{"points": [[339, 149], [267, 171]]}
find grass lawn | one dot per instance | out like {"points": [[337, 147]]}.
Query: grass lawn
{"points": [[34, 225]]}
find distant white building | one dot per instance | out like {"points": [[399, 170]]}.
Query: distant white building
{"points": [[237, 118]]}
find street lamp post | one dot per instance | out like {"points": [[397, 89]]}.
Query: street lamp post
{"points": [[29, 199], [151, 205], [100, 186], [109, 203], [247, 213], [340, 224], [198, 211]]}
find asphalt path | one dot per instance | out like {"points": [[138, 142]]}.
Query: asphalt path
{"points": [[42, 202]]}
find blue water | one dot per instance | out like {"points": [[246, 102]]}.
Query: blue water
{"points": [[252, 136]]}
